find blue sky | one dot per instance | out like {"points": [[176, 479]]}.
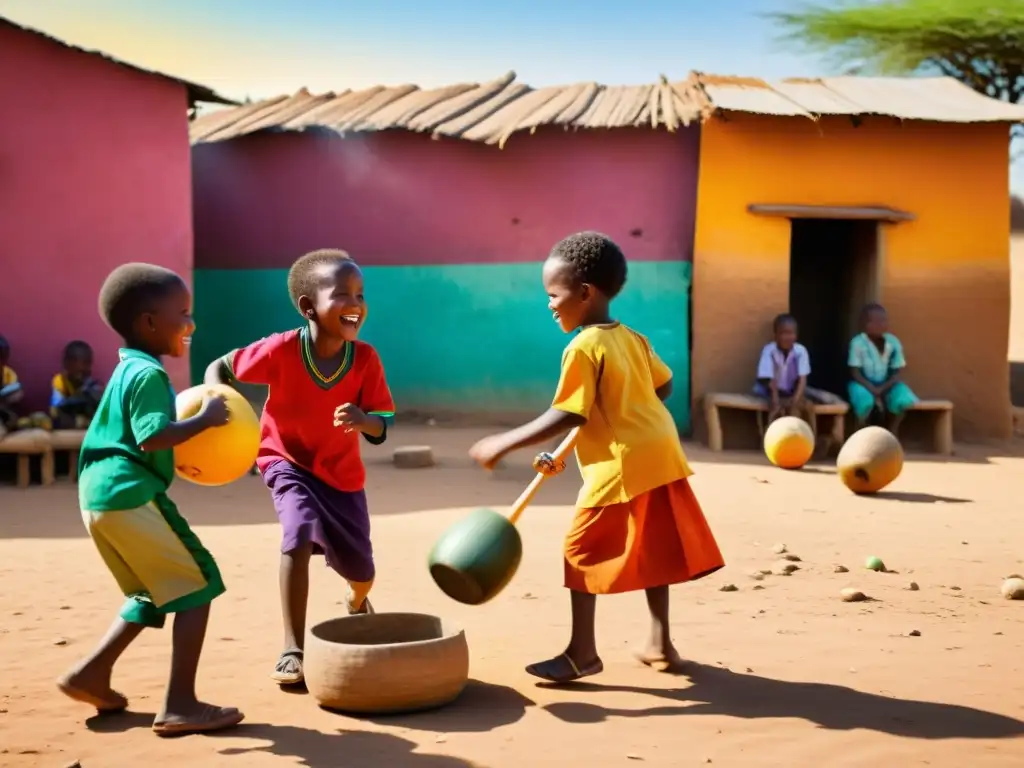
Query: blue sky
{"points": [[262, 48]]}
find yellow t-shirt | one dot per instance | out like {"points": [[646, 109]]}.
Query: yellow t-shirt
{"points": [[8, 377], [62, 386], [629, 444]]}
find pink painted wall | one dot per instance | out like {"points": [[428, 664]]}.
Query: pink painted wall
{"points": [[94, 172], [402, 198]]}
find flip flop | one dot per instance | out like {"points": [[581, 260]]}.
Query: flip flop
{"points": [[282, 677], [116, 702], [537, 670], [210, 719]]}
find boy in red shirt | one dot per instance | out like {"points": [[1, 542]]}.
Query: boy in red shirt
{"points": [[326, 388]]}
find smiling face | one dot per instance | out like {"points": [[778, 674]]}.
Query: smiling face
{"points": [[338, 306], [568, 299], [168, 327]]}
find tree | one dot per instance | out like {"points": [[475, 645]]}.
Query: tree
{"points": [[979, 42]]}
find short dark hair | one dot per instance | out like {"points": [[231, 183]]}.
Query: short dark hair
{"points": [[301, 278], [871, 306], [594, 259], [77, 348], [130, 290], [781, 320], [5, 346]]}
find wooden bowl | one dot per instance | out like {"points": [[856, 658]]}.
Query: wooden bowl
{"points": [[386, 663]]}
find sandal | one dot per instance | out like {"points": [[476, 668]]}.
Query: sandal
{"points": [[365, 608], [211, 718], [547, 670], [283, 676]]}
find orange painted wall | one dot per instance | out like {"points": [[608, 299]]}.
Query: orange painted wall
{"points": [[945, 277]]}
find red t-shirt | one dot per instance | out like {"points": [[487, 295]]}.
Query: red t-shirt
{"points": [[298, 418]]}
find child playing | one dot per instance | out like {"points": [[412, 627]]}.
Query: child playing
{"points": [[326, 388], [75, 393], [10, 387], [876, 365], [782, 373], [11, 393], [638, 524], [126, 467]]}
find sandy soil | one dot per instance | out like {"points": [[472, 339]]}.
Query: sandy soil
{"points": [[786, 675]]}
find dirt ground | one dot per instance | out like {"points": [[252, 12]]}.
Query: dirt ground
{"points": [[786, 675]]}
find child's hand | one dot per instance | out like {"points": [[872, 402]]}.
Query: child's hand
{"points": [[488, 452], [215, 411], [350, 417]]}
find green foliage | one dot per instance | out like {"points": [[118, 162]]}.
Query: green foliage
{"points": [[979, 42]]}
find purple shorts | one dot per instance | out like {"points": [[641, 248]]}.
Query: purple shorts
{"points": [[336, 522]]}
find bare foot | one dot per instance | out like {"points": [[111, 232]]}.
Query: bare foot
{"points": [[199, 718], [92, 690], [662, 659]]}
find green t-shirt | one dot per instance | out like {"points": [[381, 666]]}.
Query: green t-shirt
{"points": [[114, 472]]}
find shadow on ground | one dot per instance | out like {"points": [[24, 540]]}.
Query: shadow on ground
{"points": [[482, 707], [352, 749], [913, 497], [716, 691]]}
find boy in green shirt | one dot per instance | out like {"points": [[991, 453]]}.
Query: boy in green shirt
{"points": [[125, 469]]}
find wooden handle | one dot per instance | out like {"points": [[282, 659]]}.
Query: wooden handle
{"points": [[563, 450]]}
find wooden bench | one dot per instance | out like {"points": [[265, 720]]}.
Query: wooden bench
{"points": [[717, 401], [68, 441], [942, 423], [24, 444]]}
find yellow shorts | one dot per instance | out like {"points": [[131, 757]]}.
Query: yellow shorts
{"points": [[158, 562]]}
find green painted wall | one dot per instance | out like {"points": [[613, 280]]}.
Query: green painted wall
{"points": [[470, 337]]}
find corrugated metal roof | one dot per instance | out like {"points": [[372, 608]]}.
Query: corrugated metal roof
{"points": [[938, 99], [491, 112], [195, 91]]}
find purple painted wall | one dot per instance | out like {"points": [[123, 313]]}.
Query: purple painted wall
{"points": [[94, 172], [399, 198]]}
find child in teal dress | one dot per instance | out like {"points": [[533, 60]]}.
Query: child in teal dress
{"points": [[876, 365]]}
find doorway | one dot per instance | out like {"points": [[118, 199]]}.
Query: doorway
{"points": [[833, 273]]}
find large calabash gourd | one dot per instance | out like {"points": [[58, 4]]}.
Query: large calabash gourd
{"points": [[870, 460], [789, 442], [219, 455]]}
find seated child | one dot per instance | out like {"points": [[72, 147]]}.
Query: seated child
{"points": [[876, 365], [11, 393], [10, 387], [327, 393], [76, 394], [638, 524], [782, 373]]}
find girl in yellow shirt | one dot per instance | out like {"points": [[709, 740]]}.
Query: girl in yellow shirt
{"points": [[638, 525]]}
